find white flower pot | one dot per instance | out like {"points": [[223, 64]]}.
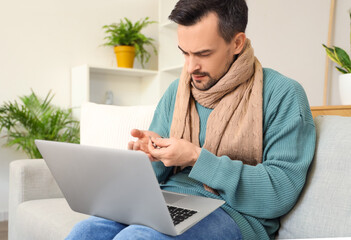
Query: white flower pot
{"points": [[345, 88]]}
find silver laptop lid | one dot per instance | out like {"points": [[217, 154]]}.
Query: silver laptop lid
{"points": [[93, 179]]}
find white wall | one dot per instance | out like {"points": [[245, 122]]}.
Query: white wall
{"points": [[40, 40], [288, 35], [341, 39]]}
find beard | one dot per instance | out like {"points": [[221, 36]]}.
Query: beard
{"points": [[206, 84]]}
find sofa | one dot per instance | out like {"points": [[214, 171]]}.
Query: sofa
{"points": [[38, 210]]}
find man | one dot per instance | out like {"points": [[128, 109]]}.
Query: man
{"points": [[227, 129]]}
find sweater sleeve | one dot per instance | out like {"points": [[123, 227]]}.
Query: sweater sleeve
{"points": [[161, 123], [267, 190], [271, 188]]}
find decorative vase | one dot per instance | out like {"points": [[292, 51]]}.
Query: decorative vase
{"points": [[345, 88], [125, 56]]}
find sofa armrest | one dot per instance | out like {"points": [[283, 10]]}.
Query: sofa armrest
{"points": [[29, 179]]}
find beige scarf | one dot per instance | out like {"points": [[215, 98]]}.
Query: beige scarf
{"points": [[234, 127]]}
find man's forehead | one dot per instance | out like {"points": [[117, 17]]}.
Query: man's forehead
{"points": [[201, 36]]}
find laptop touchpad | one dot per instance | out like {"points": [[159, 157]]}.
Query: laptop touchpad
{"points": [[172, 197]]}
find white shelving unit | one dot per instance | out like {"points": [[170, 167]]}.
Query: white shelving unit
{"points": [[122, 71], [170, 59], [131, 86]]}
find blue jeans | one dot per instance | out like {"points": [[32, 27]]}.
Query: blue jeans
{"points": [[218, 225]]}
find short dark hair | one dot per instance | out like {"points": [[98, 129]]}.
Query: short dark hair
{"points": [[232, 14]]}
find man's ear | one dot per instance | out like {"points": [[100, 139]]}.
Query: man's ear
{"points": [[239, 42]]}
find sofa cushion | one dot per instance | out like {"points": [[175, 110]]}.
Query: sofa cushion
{"points": [[110, 125], [324, 207], [46, 219]]}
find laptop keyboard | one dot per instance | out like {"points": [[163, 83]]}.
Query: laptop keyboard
{"points": [[180, 214]]}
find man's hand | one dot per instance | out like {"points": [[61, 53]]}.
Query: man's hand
{"points": [[143, 140], [174, 152]]}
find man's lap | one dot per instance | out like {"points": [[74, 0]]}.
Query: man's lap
{"points": [[218, 225]]}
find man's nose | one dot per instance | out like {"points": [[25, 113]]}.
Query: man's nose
{"points": [[193, 65]]}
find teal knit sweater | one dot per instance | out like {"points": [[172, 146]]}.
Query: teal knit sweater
{"points": [[256, 196]]}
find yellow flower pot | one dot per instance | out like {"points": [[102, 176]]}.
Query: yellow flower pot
{"points": [[125, 56]]}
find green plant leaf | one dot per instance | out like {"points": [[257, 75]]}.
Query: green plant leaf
{"points": [[36, 119], [331, 54], [343, 71], [343, 58]]}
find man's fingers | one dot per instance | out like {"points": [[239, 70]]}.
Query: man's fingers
{"points": [[136, 146], [158, 152], [162, 142], [137, 133], [130, 145], [152, 159], [133, 146]]}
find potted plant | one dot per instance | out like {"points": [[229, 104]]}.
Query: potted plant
{"points": [[36, 119], [340, 57], [129, 42]]}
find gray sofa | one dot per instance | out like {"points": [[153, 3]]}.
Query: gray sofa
{"points": [[38, 210]]}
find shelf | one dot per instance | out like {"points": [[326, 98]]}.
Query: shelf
{"points": [[130, 72], [129, 86], [174, 69], [90, 83]]}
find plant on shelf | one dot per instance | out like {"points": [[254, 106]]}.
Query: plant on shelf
{"points": [[34, 119], [126, 37], [340, 57]]}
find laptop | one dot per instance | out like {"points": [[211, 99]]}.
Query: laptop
{"points": [[121, 185]]}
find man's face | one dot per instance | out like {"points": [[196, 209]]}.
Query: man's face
{"points": [[207, 56]]}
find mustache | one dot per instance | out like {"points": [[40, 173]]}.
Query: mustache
{"points": [[200, 73]]}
